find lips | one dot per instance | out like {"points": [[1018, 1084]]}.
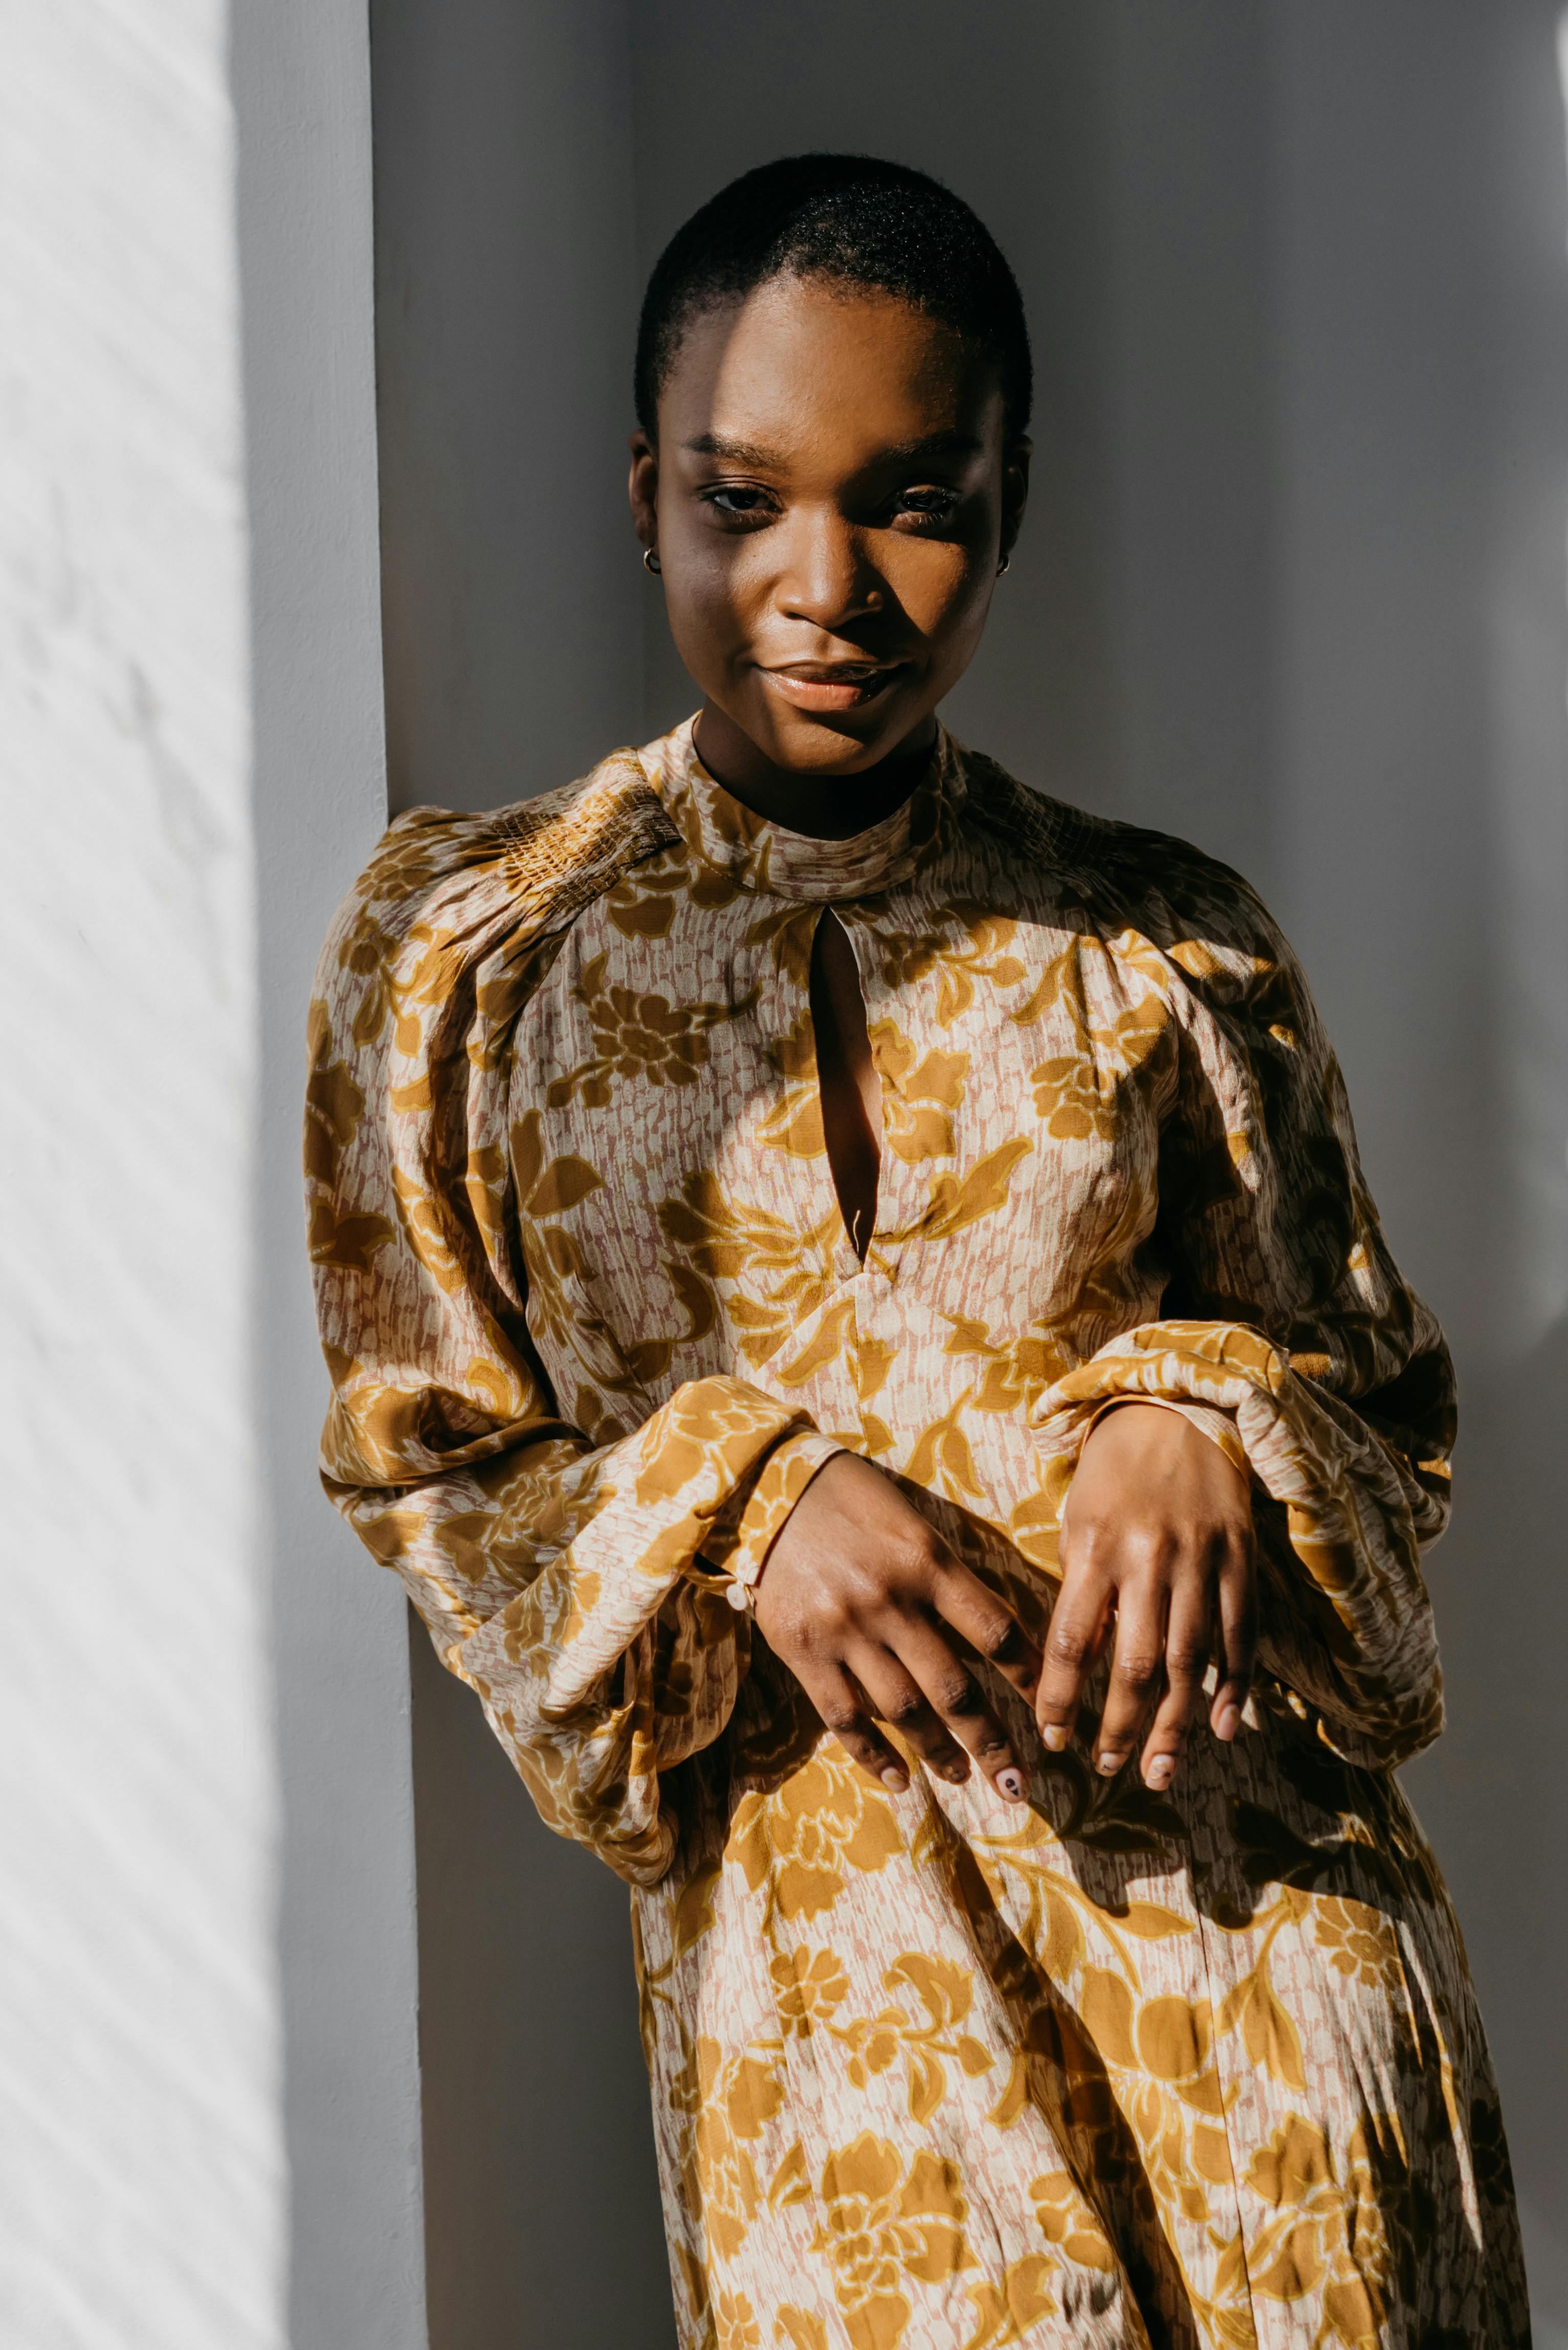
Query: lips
{"points": [[829, 686]]}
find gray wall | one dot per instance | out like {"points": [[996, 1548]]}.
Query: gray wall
{"points": [[1293, 585], [505, 275], [1421, 857], [513, 599]]}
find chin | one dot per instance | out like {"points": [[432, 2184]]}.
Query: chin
{"points": [[807, 746]]}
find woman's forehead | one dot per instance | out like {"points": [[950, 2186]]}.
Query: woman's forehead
{"points": [[803, 365]]}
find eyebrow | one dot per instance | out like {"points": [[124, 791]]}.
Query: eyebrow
{"points": [[936, 444], [740, 452], [747, 452]]}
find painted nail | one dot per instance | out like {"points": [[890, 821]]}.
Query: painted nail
{"points": [[1160, 1772], [958, 1773], [895, 1781], [1012, 1785], [1109, 1763], [1229, 1721], [1055, 1735]]}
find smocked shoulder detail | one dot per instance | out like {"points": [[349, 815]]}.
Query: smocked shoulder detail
{"points": [[1130, 870], [1038, 830], [542, 859]]}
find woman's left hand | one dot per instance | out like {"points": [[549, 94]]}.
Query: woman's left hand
{"points": [[1158, 1551]]}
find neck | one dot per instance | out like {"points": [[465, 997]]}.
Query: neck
{"points": [[824, 807]]}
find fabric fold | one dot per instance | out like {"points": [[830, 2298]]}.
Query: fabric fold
{"points": [[558, 1582], [559, 1574]]}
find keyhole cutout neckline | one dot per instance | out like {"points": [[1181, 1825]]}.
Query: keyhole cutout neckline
{"points": [[848, 1085]]}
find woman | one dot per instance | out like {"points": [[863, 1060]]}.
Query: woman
{"points": [[854, 1310]]}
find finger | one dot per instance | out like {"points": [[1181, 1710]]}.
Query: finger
{"points": [[897, 1699], [956, 1708], [1187, 1643], [1238, 1612], [1138, 1669], [844, 1711], [987, 1624], [1079, 1622]]}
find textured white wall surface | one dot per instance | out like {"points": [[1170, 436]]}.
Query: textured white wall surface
{"points": [[207, 2059], [141, 2164]]}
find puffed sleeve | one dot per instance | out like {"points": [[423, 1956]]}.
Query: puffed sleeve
{"points": [[584, 1591], [1286, 1328]]}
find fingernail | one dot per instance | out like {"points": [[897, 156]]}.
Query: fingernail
{"points": [[1055, 1735], [958, 1773], [1109, 1763], [895, 1781], [1012, 1785], [1160, 1772], [1229, 1721]]}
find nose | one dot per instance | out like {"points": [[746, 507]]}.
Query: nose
{"points": [[826, 576]]}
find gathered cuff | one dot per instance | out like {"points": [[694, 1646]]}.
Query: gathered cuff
{"points": [[738, 1552], [1347, 1621], [1211, 1420]]}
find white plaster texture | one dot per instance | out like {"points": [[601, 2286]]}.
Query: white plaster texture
{"points": [[141, 2169], [207, 2009]]}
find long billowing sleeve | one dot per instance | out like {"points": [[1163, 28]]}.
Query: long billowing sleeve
{"points": [[1285, 1321], [579, 1586]]}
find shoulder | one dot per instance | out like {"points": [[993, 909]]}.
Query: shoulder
{"points": [[438, 938], [533, 864], [1201, 913]]}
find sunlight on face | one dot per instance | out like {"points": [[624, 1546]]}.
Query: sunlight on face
{"points": [[830, 496]]}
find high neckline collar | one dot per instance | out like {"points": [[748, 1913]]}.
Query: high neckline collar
{"points": [[755, 854]]}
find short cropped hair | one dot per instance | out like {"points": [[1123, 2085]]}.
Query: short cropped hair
{"points": [[852, 219]]}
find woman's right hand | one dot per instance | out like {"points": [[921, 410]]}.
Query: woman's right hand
{"points": [[877, 1620]]}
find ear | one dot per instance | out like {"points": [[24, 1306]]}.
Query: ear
{"points": [[1014, 490], [643, 488]]}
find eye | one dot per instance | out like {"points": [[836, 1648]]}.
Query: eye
{"points": [[930, 503], [740, 501]]}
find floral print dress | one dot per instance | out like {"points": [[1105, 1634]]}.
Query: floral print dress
{"points": [[930, 2072]]}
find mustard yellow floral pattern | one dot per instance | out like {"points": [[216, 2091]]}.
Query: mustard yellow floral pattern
{"points": [[929, 2073]]}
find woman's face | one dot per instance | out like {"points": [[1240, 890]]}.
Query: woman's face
{"points": [[830, 496]]}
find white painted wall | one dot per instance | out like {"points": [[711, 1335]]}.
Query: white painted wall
{"points": [[206, 1969], [1293, 585], [140, 2013]]}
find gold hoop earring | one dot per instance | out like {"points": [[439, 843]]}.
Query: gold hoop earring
{"points": [[650, 561], [1003, 564]]}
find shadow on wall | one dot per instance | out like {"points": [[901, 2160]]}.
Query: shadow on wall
{"points": [[1421, 824], [1491, 1793], [1292, 585], [530, 2058], [506, 301]]}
